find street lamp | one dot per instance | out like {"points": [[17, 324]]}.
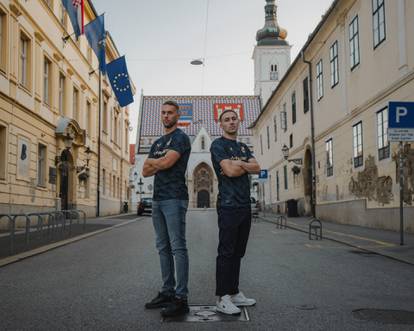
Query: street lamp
{"points": [[88, 156], [140, 184]]}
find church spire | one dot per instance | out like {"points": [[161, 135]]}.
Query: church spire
{"points": [[271, 34]]}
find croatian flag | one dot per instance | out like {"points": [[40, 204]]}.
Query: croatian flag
{"points": [[75, 9]]}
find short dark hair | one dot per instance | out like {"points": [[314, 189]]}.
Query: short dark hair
{"points": [[226, 111], [172, 103]]}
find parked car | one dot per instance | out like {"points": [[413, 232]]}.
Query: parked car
{"points": [[145, 205]]}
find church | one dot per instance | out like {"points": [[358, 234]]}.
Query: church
{"points": [[199, 117]]}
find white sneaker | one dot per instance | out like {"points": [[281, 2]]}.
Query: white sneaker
{"points": [[240, 300], [225, 306]]}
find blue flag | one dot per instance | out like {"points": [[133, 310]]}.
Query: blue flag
{"points": [[119, 78], [75, 13], [96, 35]]}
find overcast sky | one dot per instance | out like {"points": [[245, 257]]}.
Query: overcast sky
{"points": [[160, 38]]}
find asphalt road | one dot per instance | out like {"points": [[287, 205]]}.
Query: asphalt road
{"points": [[102, 283]]}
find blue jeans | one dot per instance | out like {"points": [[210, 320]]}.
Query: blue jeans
{"points": [[168, 217]]}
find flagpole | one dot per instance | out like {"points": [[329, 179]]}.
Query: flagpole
{"points": [[98, 190]]}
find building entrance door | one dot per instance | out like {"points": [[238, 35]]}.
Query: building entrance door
{"points": [[203, 199]]}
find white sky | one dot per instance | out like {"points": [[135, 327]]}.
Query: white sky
{"points": [[160, 38]]}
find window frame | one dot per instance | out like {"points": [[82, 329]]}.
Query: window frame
{"points": [[383, 144], [47, 81], [4, 47], [293, 99], [286, 178], [76, 104], [329, 157], [62, 94], [268, 137], [376, 19], [25, 60], [357, 145], [334, 61], [319, 80], [354, 47], [305, 89]]}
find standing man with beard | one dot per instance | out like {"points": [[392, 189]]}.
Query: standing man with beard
{"points": [[233, 162], [168, 160]]}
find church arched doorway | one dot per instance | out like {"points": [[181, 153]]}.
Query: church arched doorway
{"points": [[203, 199], [203, 185]]}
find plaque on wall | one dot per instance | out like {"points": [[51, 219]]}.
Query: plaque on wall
{"points": [[23, 158], [52, 175]]}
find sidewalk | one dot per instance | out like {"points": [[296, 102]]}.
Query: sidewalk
{"points": [[382, 242]]}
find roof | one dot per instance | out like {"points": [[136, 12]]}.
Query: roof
{"points": [[298, 57], [203, 113]]}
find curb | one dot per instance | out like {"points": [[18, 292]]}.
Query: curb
{"points": [[398, 259], [40, 250]]}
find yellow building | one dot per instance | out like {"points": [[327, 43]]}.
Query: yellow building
{"points": [[358, 59], [49, 115]]}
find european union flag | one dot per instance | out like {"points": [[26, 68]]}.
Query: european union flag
{"points": [[96, 34], [119, 78]]}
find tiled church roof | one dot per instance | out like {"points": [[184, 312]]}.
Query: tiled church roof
{"points": [[203, 113]]}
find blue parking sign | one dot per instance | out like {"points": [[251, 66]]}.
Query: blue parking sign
{"points": [[401, 121], [263, 174]]}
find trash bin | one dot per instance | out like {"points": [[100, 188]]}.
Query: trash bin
{"points": [[125, 206], [292, 208]]}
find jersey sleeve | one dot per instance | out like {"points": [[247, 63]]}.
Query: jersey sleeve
{"points": [[180, 144], [218, 153]]}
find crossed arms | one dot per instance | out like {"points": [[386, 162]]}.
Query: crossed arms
{"points": [[237, 168], [152, 166]]}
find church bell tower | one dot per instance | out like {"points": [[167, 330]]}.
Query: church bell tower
{"points": [[271, 54]]}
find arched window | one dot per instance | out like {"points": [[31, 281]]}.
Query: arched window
{"points": [[203, 143]]}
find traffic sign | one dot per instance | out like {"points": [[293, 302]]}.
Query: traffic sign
{"points": [[263, 174], [401, 121]]}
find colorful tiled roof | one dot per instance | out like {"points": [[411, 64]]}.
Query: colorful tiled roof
{"points": [[203, 113]]}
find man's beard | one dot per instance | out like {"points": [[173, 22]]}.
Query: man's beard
{"points": [[169, 126]]}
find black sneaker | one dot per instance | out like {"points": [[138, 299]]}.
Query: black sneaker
{"points": [[160, 301], [177, 307]]}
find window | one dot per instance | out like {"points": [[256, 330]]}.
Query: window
{"points": [[319, 79], [268, 137], [382, 127], [277, 186], [333, 57], [3, 41], [75, 101], [293, 107], [63, 17], [126, 137], [291, 140], [88, 124], [115, 131], [61, 94], [104, 181], [378, 20], [3, 155], [275, 127], [285, 176], [47, 81], [354, 42], [273, 72], [261, 145], [41, 165], [358, 151], [25, 46], [329, 158], [203, 143], [283, 118], [305, 95], [105, 116]]}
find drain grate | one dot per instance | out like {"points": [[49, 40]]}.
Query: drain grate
{"points": [[385, 316], [209, 314]]}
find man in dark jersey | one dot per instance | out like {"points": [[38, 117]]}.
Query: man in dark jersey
{"points": [[233, 162], [168, 160]]}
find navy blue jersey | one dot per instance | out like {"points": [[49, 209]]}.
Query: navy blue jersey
{"points": [[233, 191], [170, 183]]}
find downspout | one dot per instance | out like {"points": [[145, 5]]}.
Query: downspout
{"points": [[313, 195]]}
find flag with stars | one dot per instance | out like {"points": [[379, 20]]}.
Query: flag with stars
{"points": [[119, 78]]}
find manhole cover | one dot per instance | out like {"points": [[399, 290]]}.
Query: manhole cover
{"points": [[385, 316], [209, 314]]}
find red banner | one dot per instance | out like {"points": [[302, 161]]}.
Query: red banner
{"points": [[220, 107]]}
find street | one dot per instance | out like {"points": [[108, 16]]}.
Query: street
{"points": [[102, 282]]}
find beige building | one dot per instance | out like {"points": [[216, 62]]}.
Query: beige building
{"points": [[360, 57], [49, 115]]}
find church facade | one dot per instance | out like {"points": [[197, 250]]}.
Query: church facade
{"points": [[199, 119]]}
